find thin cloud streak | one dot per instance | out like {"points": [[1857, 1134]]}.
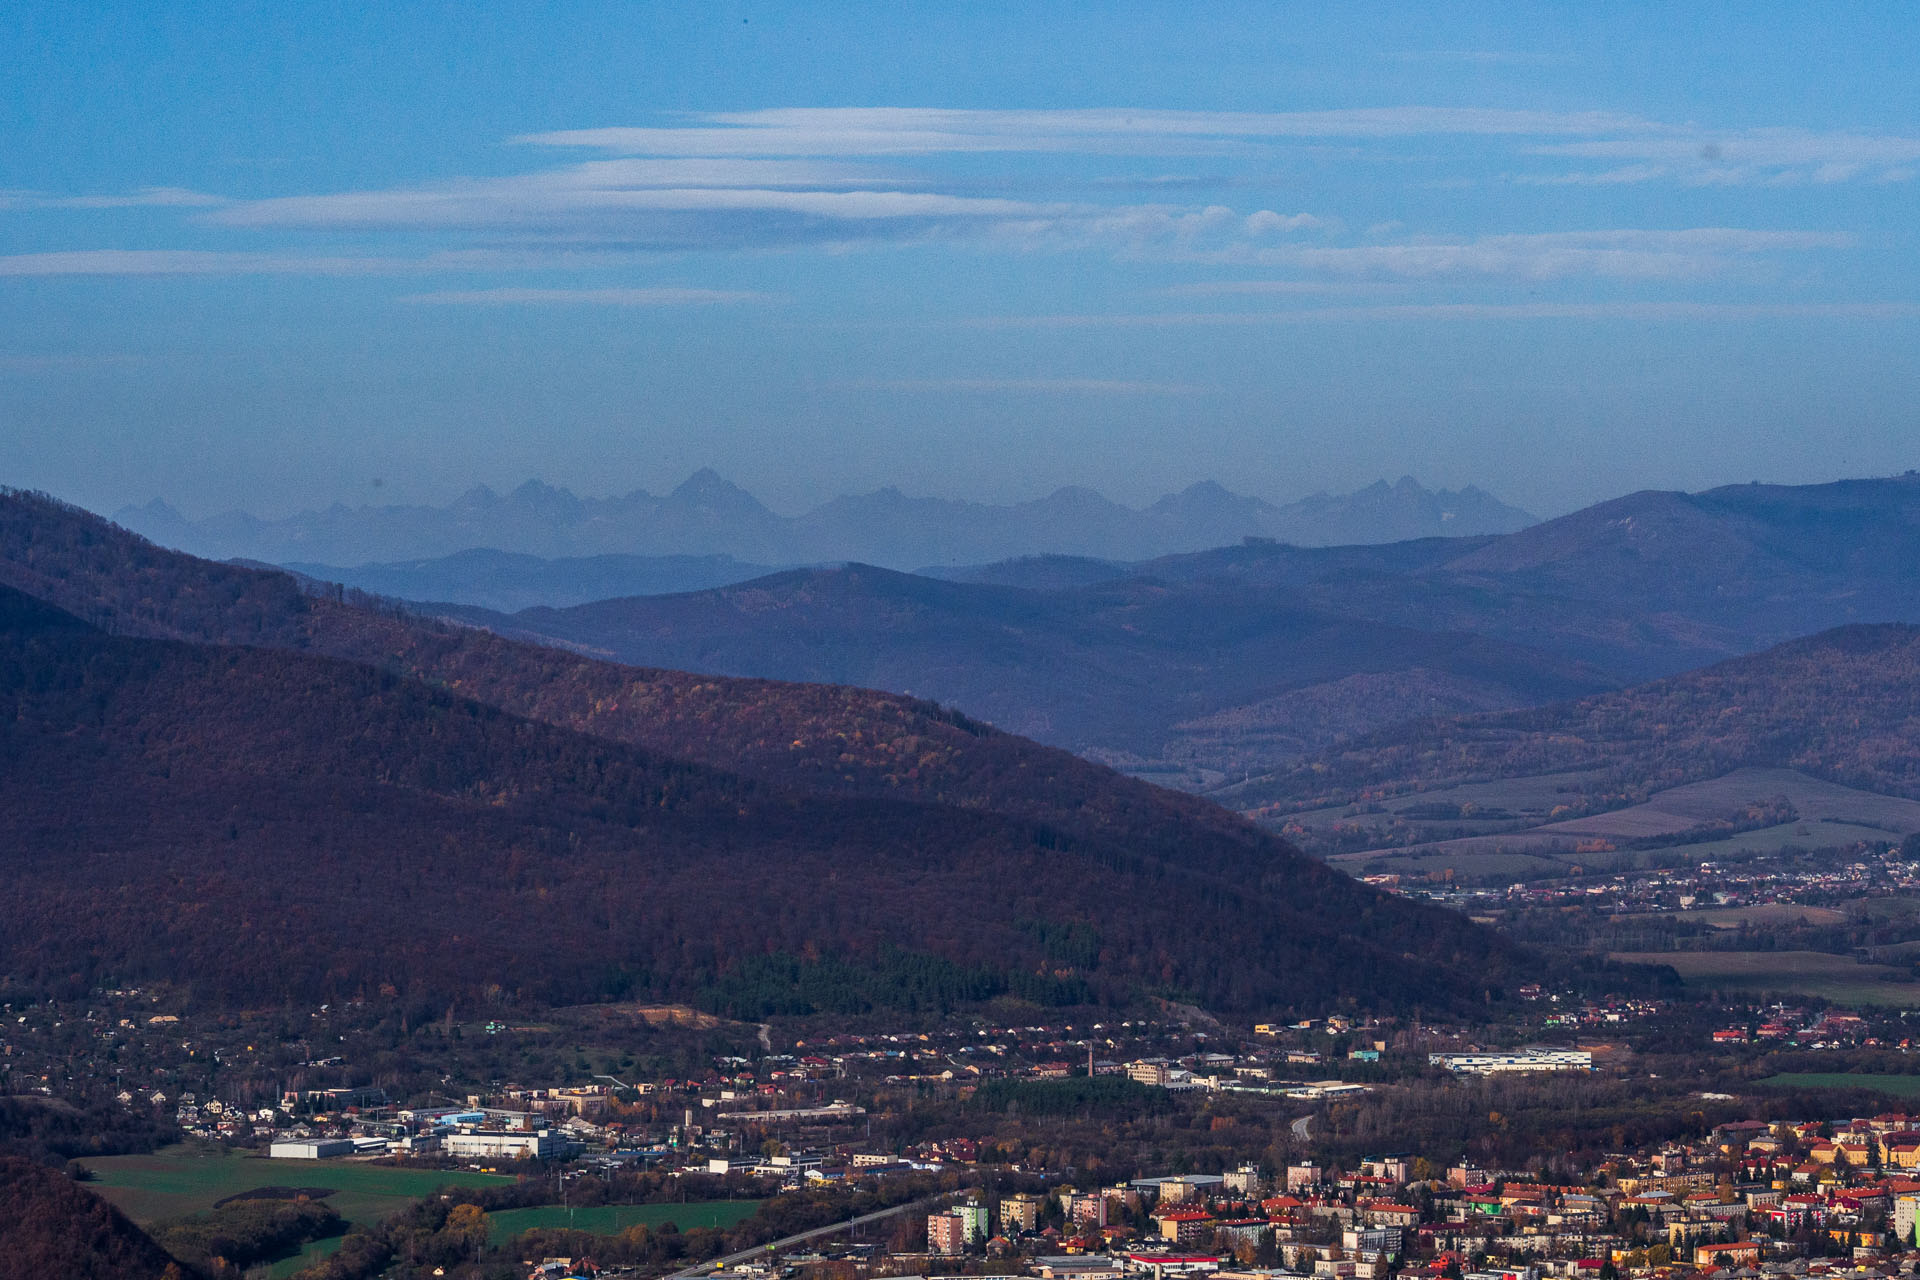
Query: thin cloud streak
{"points": [[1750, 157], [186, 262], [1084, 386], [1215, 288], [856, 131], [1630, 254], [1623, 175], [145, 197], [613, 203], [659, 297], [1685, 153], [218, 262], [511, 202], [1639, 311]]}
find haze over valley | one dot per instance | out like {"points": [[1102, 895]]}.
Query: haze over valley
{"points": [[1029, 641]]}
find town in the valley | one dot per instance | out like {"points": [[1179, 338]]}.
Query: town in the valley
{"points": [[1634, 1136]]}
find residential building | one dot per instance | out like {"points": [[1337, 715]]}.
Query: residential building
{"points": [[1019, 1213]]}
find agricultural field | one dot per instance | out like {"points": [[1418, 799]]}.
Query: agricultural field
{"points": [[1809, 973], [182, 1180], [1493, 831], [1765, 914], [1816, 800], [1898, 1086], [612, 1219]]}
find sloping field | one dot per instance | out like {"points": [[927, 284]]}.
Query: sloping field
{"points": [[1768, 913], [1698, 802], [1898, 1086], [612, 1219], [1830, 816], [184, 1180], [1811, 973]]}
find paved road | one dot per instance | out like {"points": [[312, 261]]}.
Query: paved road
{"points": [[761, 1251], [1300, 1126]]}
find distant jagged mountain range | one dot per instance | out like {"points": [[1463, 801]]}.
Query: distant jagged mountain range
{"points": [[707, 516]]}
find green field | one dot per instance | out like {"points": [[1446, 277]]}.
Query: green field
{"points": [[182, 1180], [1812, 973], [1899, 1086], [612, 1219], [310, 1254]]}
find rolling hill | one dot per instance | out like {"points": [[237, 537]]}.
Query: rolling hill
{"points": [[1200, 669], [51, 1226], [350, 800], [1814, 740], [506, 581], [1117, 669]]}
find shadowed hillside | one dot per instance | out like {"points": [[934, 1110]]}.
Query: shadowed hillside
{"points": [[1115, 667], [52, 1227], [280, 820]]}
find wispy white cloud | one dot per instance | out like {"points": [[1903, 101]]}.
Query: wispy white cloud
{"points": [[145, 197], [1688, 253], [1255, 288], [1622, 175], [1683, 152], [791, 178], [656, 297], [185, 262], [1215, 234], [1076, 386], [550, 200], [599, 185], [1749, 157], [876, 131], [223, 262], [637, 204]]}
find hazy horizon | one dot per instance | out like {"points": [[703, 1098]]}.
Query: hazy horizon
{"points": [[263, 260]]}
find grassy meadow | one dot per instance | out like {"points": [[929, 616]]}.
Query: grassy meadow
{"points": [[1810, 973], [1897, 1086], [612, 1219], [177, 1181]]}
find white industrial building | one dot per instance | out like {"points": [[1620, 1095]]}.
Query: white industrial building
{"points": [[311, 1148], [485, 1145], [1533, 1058]]}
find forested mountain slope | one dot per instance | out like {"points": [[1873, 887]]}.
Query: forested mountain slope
{"points": [[1843, 705], [52, 1227], [1108, 666], [271, 820]]}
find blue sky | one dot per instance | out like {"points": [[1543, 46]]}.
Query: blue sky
{"points": [[274, 256]]}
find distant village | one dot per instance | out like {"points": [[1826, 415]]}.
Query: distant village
{"points": [[1691, 887]]}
